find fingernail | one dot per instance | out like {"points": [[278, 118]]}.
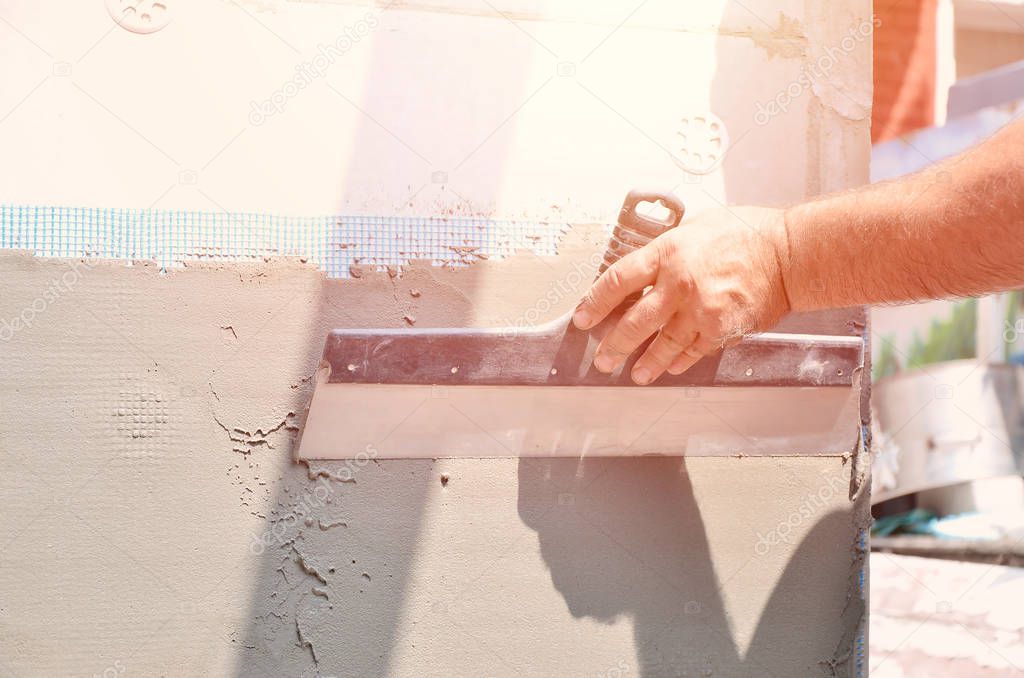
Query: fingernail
{"points": [[581, 319], [642, 376], [604, 363]]}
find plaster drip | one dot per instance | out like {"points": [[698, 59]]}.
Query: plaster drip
{"points": [[304, 642], [316, 470]]}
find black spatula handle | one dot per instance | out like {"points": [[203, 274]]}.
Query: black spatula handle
{"points": [[634, 230]]}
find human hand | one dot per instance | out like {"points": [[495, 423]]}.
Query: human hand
{"points": [[713, 280]]}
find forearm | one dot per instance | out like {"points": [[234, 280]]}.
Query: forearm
{"points": [[954, 230]]}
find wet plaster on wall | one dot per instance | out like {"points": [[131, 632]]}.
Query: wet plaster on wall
{"points": [[214, 553]]}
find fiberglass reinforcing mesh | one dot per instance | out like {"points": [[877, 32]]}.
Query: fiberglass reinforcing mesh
{"points": [[334, 243]]}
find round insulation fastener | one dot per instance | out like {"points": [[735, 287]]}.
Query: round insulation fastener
{"points": [[701, 142], [140, 16]]}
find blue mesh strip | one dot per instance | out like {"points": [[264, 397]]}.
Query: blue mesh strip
{"points": [[334, 243]]}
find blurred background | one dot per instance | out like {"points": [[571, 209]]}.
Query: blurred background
{"points": [[947, 494]]}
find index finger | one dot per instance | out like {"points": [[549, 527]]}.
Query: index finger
{"points": [[632, 273]]}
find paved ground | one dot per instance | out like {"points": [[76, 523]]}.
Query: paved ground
{"points": [[932, 617]]}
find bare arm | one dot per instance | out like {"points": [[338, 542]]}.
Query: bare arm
{"points": [[955, 229]]}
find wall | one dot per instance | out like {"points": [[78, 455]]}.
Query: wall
{"points": [[154, 522]]}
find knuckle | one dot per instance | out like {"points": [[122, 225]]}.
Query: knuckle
{"points": [[630, 330], [647, 314], [639, 325], [613, 278], [683, 284], [666, 245], [614, 349], [651, 263], [661, 355], [671, 342], [658, 352], [693, 353], [616, 344], [644, 260]]}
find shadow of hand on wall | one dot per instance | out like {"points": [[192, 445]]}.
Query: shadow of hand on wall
{"points": [[625, 537]]}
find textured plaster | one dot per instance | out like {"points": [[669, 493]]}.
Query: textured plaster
{"points": [[154, 518]]}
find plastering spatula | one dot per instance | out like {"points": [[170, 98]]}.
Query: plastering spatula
{"points": [[467, 392]]}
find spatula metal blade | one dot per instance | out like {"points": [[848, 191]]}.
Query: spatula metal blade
{"points": [[385, 421]]}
